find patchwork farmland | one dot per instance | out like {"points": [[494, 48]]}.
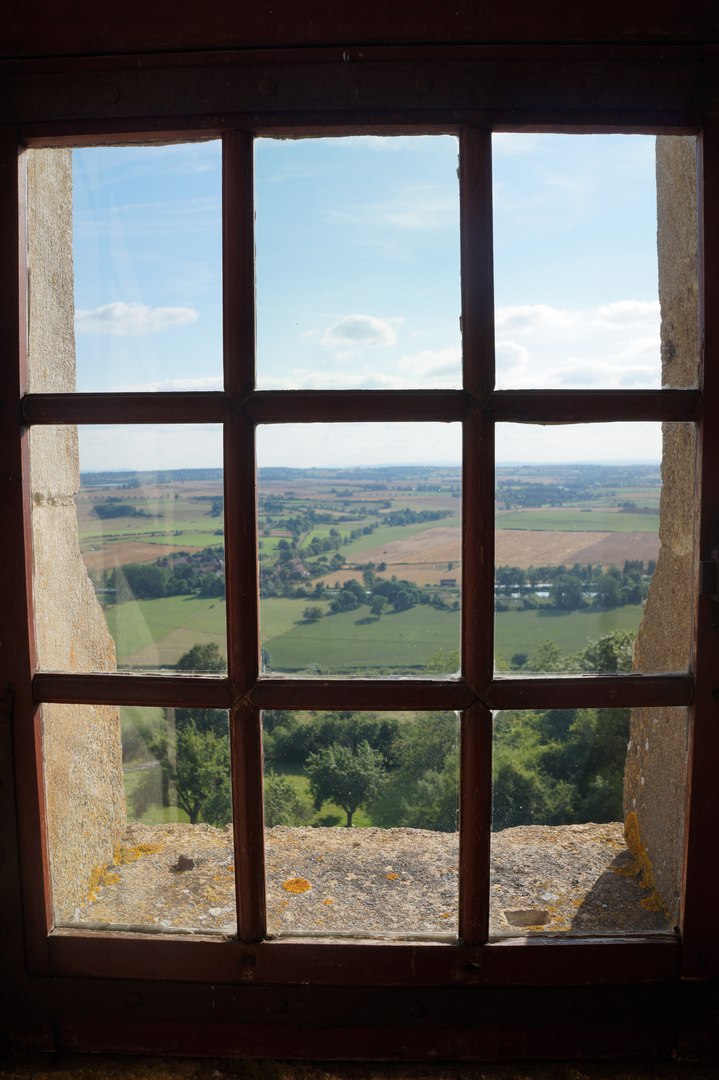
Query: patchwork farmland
{"points": [[360, 569]]}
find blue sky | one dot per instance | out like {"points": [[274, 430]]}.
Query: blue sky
{"points": [[358, 285]]}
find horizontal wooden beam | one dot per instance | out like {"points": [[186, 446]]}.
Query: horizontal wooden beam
{"points": [[587, 406], [440, 87], [137, 408], [125, 688], [589, 691], [341, 406]]}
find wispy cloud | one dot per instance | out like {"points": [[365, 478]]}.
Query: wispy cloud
{"points": [[119, 319], [412, 208]]}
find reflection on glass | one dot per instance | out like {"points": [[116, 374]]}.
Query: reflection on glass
{"points": [[361, 818], [357, 262], [577, 543], [575, 227], [359, 559], [147, 267], [139, 817], [580, 839], [151, 536]]}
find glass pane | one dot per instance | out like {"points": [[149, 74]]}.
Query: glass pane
{"points": [[575, 250], [150, 541], [577, 543], [357, 262], [147, 257], [124, 247], [359, 558], [585, 834], [139, 817], [361, 817]]}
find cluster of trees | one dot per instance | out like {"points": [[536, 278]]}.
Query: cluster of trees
{"points": [[571, 589], [200, 572], [550, 766], [115, 507], [402, 769], [376, 593]]}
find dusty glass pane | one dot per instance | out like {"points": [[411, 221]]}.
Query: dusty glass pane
{"points": [[361, 822], [585, 808], [129, 555], [577, 543], [357, 244], [359, 548], [575, 261], [139, 817]]}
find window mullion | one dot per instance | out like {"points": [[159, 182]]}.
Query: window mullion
{"points": [[246, 744], [475, 822], [241, 530]]}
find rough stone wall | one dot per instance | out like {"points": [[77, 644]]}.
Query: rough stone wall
{"points": [[655, 777], [83, 759]]}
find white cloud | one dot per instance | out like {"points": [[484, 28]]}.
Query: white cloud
{"points": [[609, 346], [120, 319], [437, 365], [356, 332]]}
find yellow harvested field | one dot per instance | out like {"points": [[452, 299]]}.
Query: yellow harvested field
{"points": [[440, 545], [128, 551], [534, 548], [425, 558]]}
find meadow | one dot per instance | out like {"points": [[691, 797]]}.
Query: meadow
{"points": [[155, 633]]}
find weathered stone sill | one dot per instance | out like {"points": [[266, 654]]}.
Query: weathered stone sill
{"points": [[373, 882]]}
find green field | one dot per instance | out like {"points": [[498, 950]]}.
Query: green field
{"points": [[525, 631], [558, 519], [152, 633], [354, 642]]}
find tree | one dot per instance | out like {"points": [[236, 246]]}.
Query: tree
{"points": [[192, 748], [203, 774], [312, 613], [350, 778], [283, 806], [566, 593], [377, 605], [202, 657], [421, 792]]}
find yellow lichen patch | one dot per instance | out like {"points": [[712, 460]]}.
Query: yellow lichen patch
{"points": [[392, 876], [296, 885], [328, 901], [444, 915], [123, 856], [641, 865], [99, 876]]}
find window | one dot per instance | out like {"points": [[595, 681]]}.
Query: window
{"points": [[431, 974]]}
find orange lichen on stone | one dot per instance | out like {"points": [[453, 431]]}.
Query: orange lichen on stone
{"points": [[297, 885], [328, 901], [641, 865], [391, 877]]}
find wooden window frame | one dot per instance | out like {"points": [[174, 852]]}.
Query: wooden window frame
{"points": [[94, 990]]}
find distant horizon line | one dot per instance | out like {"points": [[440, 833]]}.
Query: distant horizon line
{"points": [[519, 463]]}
